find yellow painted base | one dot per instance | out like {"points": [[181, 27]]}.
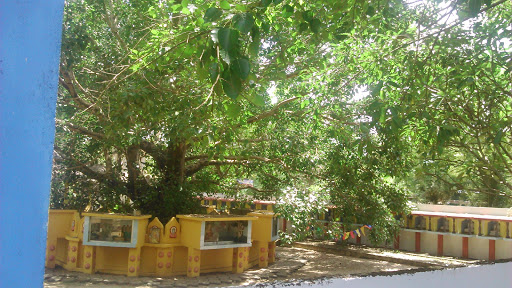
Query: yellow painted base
{"points": [[272, 252], [164, 261], [263, 254], [166, 253], [88, 259], [193, 262]]}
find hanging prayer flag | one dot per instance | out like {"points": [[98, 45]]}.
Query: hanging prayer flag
{"points": [[352, 234]]}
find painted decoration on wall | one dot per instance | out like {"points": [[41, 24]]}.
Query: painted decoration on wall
{"points": [[173, 232], [154, 235]]}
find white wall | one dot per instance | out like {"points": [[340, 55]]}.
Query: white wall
{"points": [[452, 246], [495, 276], [478, 248], [463, 209], [503, 250], [428, 243], [407, 241]]}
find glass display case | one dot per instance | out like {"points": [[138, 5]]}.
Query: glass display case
{"points": [[420, 223], [443, 225], [275, 228], [493, 229], [467, 227], [225, 233], [110, 231], [206, 232]]}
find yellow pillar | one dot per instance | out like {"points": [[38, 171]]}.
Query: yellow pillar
{"points": [[72, 255], [240, 256], [164, 261], [262, 254], [133, 262], [88, 259], [51, 252], [194, 262], [246, 257], [272, 252]]}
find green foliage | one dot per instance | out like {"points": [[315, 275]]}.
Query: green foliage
{"points": [[160, 102]]}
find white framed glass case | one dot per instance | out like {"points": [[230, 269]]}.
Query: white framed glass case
{"points": [[111, 232], [225, 234], [275, 228]]}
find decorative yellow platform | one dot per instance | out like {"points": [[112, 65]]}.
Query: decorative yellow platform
{"points": [[190, 244]]}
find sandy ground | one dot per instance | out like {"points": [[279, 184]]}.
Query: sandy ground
{"points": [[293, 265]]}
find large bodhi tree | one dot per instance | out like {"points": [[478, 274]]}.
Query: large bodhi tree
{"points": [[160, 102]]}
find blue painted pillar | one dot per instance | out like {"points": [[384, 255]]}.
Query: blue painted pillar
{"points": [[30, 33]]}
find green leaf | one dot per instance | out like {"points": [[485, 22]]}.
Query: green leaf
{"points": [[212, 14], [315, 25], [488, 3], [265, 26], [233, 110], [254, 48], [307, 15], [256, 99], [255, 33], [394, 84], [376, 89], [474, 7], [243, 22], [203, 74], [241, 67], [231, 84], [287, 11], [228, 38], [277, 2], [497, 139], [225, 5], [370, 11], [152, 12], [185, 11], [265, 3], [303, 27], [214, 71], [241, 8]]}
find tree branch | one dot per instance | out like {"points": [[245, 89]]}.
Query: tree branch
{"points": [[86, 170], [82, 130], [156, 152], [272, 111]]}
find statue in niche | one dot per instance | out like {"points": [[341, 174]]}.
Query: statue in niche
{"points": [[173, 232], [154, 235], [494, 229]]}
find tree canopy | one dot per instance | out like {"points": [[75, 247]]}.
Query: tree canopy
{"points": [[160, 102]]}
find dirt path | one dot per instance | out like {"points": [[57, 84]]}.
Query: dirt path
{"points": [[292, 265]]}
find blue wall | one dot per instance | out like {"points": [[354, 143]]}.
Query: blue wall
{"points": [[30, 33]]}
